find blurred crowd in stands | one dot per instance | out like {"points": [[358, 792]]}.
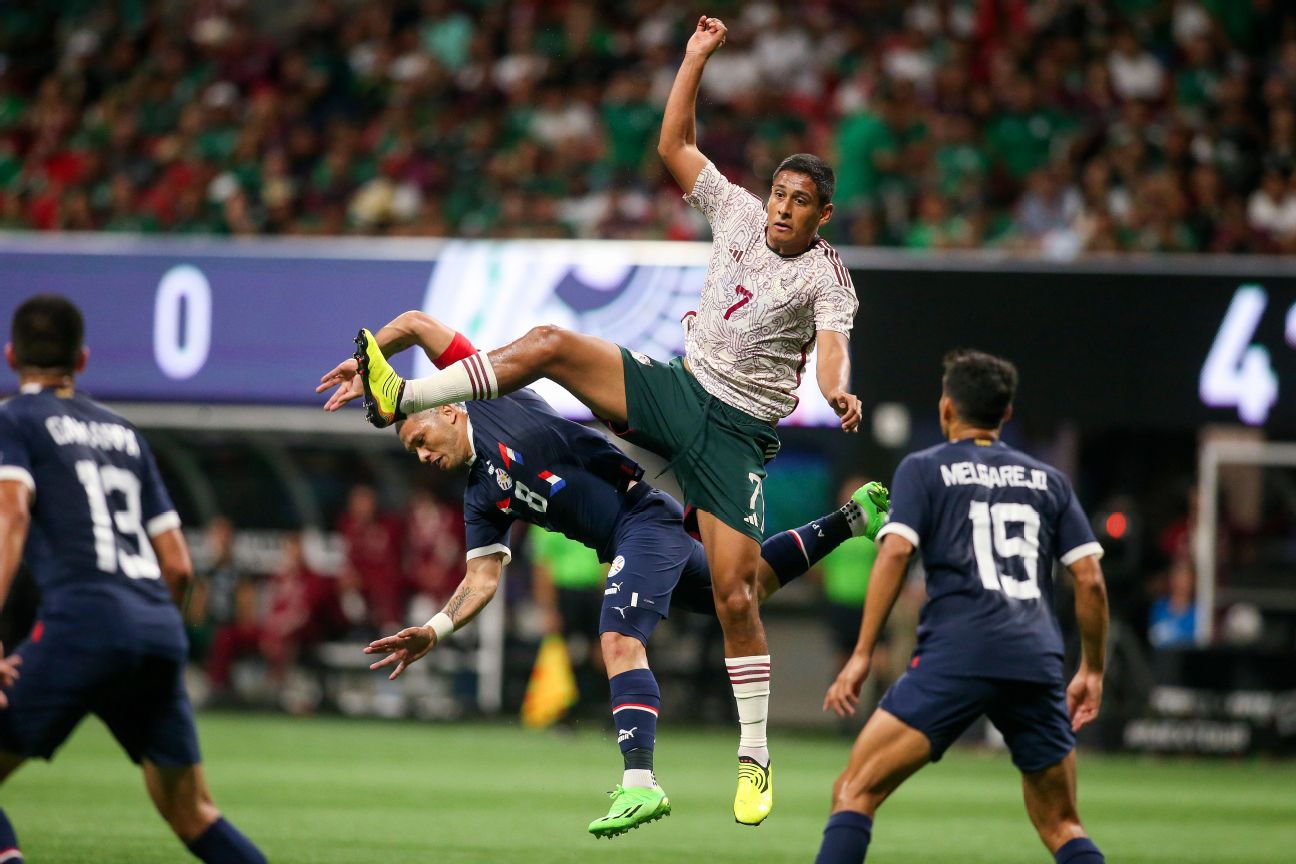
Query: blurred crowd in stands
{"points": [[1058, 125], [393, 571]]}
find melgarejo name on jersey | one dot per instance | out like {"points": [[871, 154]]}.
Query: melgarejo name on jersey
{"points": [[978, 474], [104, 436]]}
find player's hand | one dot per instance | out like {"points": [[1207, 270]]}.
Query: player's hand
{"points": [[343, 376], [847, 406], [1084, 696], [8, 673], [709, 35], [843, 695], [404, 648]]}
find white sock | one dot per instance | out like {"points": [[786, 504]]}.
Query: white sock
{"points": [[638, 777], [750, 679], [470, 378]]}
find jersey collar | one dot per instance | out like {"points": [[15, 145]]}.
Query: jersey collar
{"points": [[813, 243], [29, 389]]}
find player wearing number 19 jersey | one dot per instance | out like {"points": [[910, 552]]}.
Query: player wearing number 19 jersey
{"points": [[989, 522], [81, 499]]}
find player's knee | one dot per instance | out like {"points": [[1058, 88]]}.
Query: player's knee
{"points": [[189, 818], [548, 342], [621, 651], [862, 789], [1057, 833], [735, 602]]}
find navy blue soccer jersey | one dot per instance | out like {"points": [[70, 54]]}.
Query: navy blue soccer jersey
{"points": [[531, 464], [988, 521], [97, 501]]}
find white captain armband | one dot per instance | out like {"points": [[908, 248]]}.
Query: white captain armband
{"points": [[442, 625]]}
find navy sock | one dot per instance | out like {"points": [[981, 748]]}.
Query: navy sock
{"points": [[636, 701], [9, 853], [845, 838], [1081, 850], [792, 553], [222, 843]]}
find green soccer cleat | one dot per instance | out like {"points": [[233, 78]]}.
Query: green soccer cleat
{"points": [[631, 807], [874, 501], [382, 386], [755, 796]]}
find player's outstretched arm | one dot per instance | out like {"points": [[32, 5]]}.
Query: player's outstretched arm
{"points": [[405, 331], [1084, 695], [15, 518], [173, 557], [833, 370], [413, 643], [677, 144], [884, 587]]}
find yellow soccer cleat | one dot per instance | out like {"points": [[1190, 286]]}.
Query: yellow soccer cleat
{"points": [[755, 797], [382, 386]]}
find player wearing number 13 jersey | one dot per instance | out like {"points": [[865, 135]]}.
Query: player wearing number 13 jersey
{"points": [[989, 522], [82, 501]]}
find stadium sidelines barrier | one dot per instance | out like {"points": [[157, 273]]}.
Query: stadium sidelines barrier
{"points": [[1160, 342]]}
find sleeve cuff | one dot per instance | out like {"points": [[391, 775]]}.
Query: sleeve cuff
{"points": [[22, 475], [900, 530], [483, 551], [1084, 550], [162, 523]]}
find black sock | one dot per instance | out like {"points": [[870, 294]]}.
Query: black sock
{"points": [[9, 852], [222, 843], [791, 553], [1081, 850], [845, 838]]}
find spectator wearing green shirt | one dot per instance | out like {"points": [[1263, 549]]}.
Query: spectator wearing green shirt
{"points": [[567, 585]]}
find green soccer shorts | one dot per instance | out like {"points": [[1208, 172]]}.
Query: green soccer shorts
{"points": [[718, 452]]}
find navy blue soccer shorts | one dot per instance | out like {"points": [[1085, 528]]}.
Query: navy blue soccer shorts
{"points": [[139, 696], [653, 559], [1032, 716]]}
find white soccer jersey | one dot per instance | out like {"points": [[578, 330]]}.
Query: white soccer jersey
{"points": [[755, 326]]}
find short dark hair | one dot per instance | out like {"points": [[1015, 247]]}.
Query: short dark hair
{"points": [[980, 385], [47, 333], [816, 169]]}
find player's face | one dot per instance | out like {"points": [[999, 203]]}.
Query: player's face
{"points": [[792, 213], [438, 437]]}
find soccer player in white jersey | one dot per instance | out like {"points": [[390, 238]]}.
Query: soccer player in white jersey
{"points": [[774, 291]]}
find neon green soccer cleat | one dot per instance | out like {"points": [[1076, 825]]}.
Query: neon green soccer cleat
{"points": [[874, 501], [755, 797], [631, 807], [382, 386]]}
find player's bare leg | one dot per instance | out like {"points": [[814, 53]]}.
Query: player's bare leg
{"points": [[181, 796], [9, 851], [636, 702], [589, 367], [734, 559], [1050, 797], [886, 753]]}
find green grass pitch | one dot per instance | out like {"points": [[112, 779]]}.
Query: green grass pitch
{"points": [[328, 790]]}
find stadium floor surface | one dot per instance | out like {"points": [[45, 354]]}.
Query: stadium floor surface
{"points": [[332, 790]]}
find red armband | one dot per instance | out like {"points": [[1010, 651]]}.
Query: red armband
{"points": [[458, 349]]}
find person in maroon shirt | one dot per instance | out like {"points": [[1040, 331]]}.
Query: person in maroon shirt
{"points": [[374, 563]]}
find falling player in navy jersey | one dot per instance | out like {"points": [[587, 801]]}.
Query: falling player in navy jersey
{"points": [[526, 462], [81, 498], [989, 522]]}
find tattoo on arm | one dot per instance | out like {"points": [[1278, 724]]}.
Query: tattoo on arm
{"points": [[457, 601]]}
